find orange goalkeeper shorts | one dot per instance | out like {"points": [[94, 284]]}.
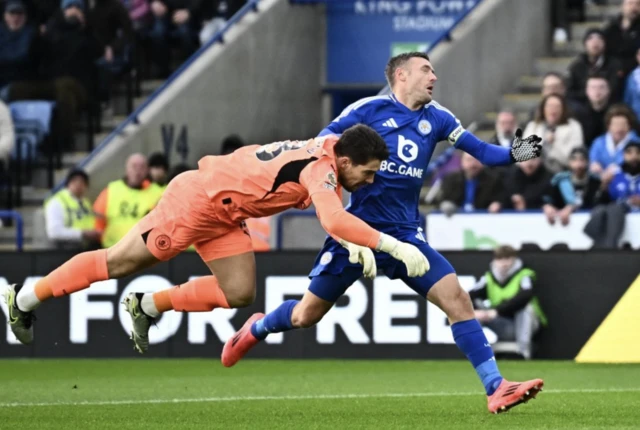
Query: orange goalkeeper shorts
{"points": [[186, 216]]}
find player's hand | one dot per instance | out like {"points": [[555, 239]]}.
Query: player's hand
{"points": [[417, 264], [527, 148], [362, 255]]}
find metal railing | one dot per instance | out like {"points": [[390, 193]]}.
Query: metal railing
{"points": [[17, 218]]}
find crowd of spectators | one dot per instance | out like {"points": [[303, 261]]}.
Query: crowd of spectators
{"points": [[70, 51], [588, 119]]}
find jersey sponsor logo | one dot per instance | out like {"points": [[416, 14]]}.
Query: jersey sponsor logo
{"points": [[424, 127], [402, 169], [407, 149], [331, 183], [272, 150], [390, 123], [455, 135]]}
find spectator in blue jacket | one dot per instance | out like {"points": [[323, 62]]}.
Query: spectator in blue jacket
{"points": [[632, 89], [572, 190], [607, 221], [606, 154]]}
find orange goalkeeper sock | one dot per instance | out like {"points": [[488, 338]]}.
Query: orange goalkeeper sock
{"points": [[74, 275]]}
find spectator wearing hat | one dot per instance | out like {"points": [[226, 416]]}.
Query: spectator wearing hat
{"points": [[572, 190], [594, 60], [69, 217], [159, 169], [606, 153], [19, 52], [608, 220]]}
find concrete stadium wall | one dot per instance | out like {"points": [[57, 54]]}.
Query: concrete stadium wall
{"points": [[495, 45], [257, 84]]}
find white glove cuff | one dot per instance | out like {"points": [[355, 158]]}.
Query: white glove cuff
{"points": [[386, 243]]}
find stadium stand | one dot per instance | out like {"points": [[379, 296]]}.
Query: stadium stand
{"points": [[560, 111]]}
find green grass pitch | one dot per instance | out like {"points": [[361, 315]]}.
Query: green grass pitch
{"points": [[278, 394]]}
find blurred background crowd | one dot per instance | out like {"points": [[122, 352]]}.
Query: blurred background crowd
{"points": [[64, 64]]}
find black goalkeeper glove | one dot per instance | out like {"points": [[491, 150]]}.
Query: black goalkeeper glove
{"points": [[525, 149]]}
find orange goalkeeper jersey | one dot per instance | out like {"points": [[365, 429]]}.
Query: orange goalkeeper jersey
{"points": [[257, 181]]}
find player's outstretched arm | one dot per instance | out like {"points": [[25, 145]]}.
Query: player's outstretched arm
{"points": [[340, 223], [522, 149]]}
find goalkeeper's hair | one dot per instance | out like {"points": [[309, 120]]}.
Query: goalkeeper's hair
{"points": [[399, 61], [361, 144]]}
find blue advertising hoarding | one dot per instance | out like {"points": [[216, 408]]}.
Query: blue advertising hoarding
{"points": [[363, 34]]}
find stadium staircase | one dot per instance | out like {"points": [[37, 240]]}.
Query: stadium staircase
{"points": [[526, 95], [34, 193]]}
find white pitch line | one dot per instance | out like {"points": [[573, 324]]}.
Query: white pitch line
{"points": [[303, 397]]}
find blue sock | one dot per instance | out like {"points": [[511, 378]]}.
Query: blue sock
{"points": [[276, 321], [473, 343]]}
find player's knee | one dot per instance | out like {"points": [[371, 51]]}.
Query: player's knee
{"points": [[243, 296], [460, 308], [304, 317]]}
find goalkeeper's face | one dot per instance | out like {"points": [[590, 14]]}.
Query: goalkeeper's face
{"points": [[420, 80], [353, 176]]}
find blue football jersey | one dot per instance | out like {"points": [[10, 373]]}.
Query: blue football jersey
{"points": [[623, 186], [411, 137]]}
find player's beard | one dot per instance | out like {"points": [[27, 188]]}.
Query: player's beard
{"points": [[345, 183]]}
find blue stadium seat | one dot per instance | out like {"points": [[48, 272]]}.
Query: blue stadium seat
{"points": [[32, 123]]}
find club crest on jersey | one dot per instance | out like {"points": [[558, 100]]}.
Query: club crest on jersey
{"points": [[424, 127], [326, 258]]}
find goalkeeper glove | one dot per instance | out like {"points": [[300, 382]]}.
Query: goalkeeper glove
{"points": [[527, 148], [417, 264], [362, 255]]}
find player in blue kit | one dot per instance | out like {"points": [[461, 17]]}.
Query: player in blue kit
{"points": [[411, 123]]}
